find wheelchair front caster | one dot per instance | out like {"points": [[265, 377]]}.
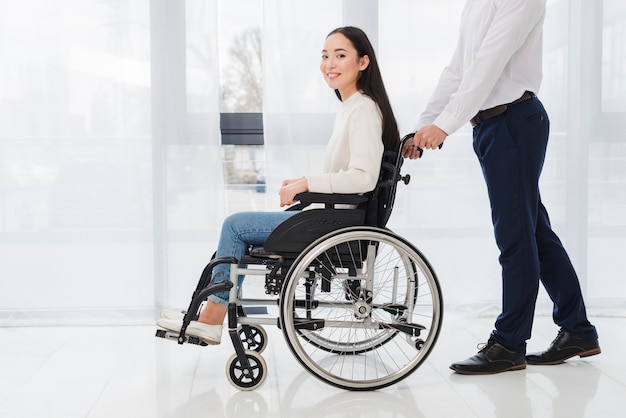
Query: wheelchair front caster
{"points": [[253, 337], [246, 378]]}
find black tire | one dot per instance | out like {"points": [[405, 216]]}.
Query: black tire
{"points": [[366, 342]]}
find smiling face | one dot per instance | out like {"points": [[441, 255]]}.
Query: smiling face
{"points": [[341, 64]]}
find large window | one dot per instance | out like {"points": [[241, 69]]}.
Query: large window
{"points": [[241, 103], [131, 128], [75, 158]]}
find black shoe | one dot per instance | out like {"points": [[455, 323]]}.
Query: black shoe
{"points": [[564, 346], [492, 358]]}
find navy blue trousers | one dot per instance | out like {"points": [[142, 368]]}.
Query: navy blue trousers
{"points": [[511, 149]]}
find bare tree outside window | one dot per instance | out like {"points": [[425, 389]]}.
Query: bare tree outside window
{"points": [[242, 87], [242, 92]]}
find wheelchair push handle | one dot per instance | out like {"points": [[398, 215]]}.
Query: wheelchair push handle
{"points": [[410, 136]]}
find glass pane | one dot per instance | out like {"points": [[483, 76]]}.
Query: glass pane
{"points": [[240, 53], [75, 156]]}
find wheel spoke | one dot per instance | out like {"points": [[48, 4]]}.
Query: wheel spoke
{"points": [[348, 279]]}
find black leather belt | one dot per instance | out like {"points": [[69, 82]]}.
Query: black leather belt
{"points": [[484, 115]]}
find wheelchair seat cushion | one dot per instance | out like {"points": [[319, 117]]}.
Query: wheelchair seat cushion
{"points": [[296, 233]]}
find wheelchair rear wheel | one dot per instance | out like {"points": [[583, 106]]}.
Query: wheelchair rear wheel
{"points": [[361, 308]]}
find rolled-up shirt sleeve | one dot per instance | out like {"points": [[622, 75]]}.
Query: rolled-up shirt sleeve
{"points": [[497, 58]]}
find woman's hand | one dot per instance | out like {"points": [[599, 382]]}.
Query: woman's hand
{"points": [[289, 181], [290, 189], [411, 151]]}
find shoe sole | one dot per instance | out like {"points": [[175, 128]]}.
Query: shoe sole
{"points": [[169, 324], [472, 372], [204, 340], [208, 342], [587, 353], [173, 328], [191, 331]]}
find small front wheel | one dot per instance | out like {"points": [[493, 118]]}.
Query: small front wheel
{"points": [[253, 337], [246, 378]]}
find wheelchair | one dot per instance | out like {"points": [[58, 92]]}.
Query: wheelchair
{"points": [[359, 306]]}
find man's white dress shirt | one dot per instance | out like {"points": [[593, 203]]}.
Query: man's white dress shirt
{"points": [[497, 58]]}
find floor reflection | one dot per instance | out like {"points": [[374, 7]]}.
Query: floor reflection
{"points": [[572, 386]]}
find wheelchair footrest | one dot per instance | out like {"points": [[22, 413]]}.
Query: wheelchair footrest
{"points": [[171, 335]]}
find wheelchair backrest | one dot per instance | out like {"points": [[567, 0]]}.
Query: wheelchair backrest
{"points": [[297, 232], [380, 201]]}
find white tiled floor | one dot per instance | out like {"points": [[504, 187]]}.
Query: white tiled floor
{"points": [[126, 372]]}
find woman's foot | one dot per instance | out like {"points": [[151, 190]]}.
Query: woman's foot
{"points": [[210, 334], [208, 327], [212, 313]]}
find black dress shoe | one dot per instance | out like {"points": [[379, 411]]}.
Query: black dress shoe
{"points": [[564, 346], [492, 358]]}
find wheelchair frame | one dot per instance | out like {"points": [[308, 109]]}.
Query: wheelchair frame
{"points": [[360, 307]]}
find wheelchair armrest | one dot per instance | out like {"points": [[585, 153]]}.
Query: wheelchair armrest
{"points": [[330, 200]]}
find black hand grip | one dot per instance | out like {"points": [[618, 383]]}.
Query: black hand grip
{"points": [[408, 137]]}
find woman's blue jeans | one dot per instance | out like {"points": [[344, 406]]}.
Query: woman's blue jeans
{"points": [[239, 232]]}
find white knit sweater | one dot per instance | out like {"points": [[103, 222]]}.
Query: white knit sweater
{"points": [[355, 150]]}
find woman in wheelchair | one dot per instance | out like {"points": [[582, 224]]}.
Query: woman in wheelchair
{"points": [[364, 128]]}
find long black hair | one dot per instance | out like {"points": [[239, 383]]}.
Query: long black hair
{"points": [[371, 83]]}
